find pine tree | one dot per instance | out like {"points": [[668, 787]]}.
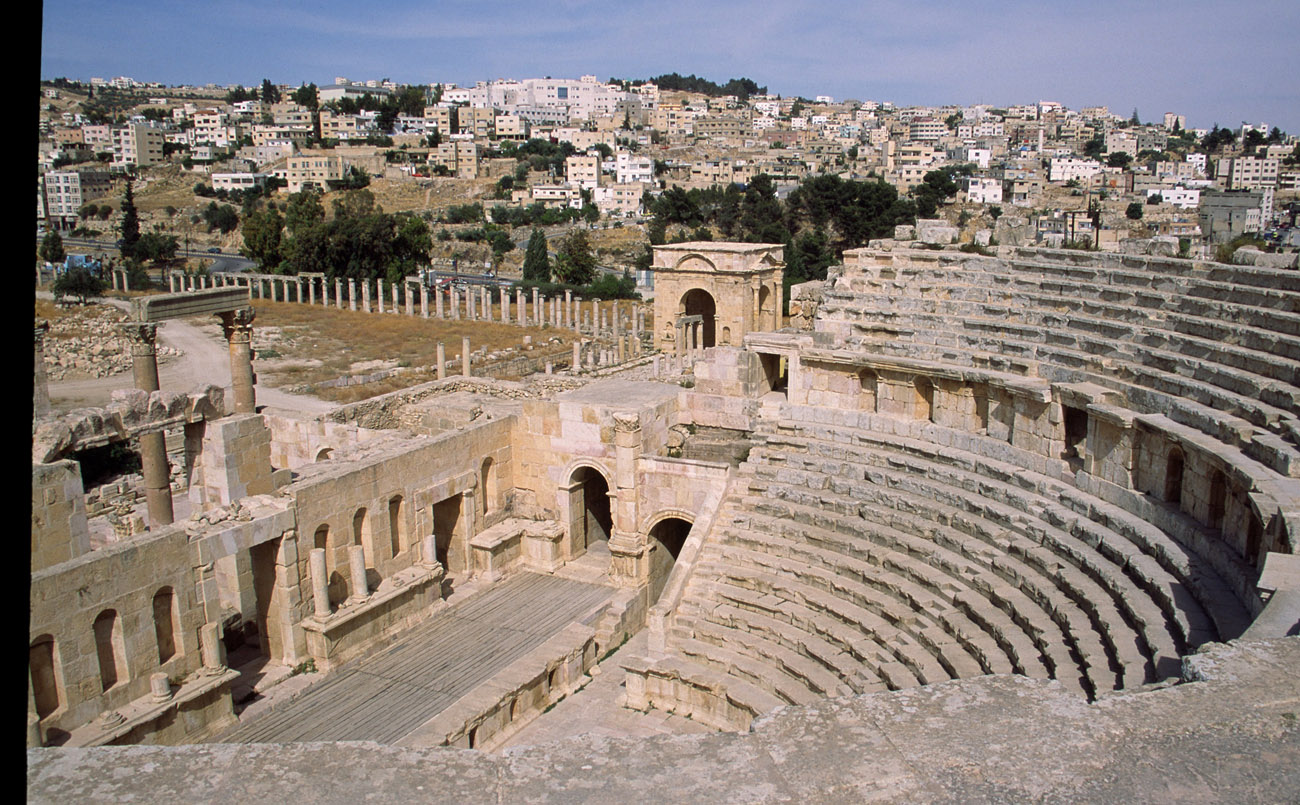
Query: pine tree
{"points": [[537, 265], [130, 222], [575, 264]]}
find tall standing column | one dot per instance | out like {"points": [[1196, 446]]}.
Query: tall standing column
{"points": [[424, 301], [352, 294], [397, 308], [437, 301], [238, 327], [464, 356], [311, 291], [519, 306], [536, 318], [629, 566], [338, 292], [379, 285], [455, 305], [153, 449], [365, 295], [577, 356], [357, 568], [568, 311], [410, 300], [442, 361], [41, 387], [505, 306]]}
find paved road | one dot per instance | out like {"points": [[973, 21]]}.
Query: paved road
{"points": [[389, 694], [206, 361]]}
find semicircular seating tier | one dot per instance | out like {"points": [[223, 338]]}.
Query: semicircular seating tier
{"points": [[1058, 465]]}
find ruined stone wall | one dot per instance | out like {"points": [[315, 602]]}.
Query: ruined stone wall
{"points": [[59, 531], [123, 577], [295, 442]]}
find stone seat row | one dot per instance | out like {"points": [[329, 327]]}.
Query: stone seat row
{"points": [[1020, 608], [1033, 584], [1252, 348], [1132, 326], [1222, 294], [1164, 268], [982, 482], [1218, 576], [991, 622], [1218, 412]]}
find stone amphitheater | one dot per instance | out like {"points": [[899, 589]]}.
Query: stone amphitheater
{"points": [[970, 528]]}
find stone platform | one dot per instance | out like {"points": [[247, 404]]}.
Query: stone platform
{"points": [[391, 692]]}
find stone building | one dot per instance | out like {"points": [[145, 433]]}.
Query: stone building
{"points": [[1058, 482]]}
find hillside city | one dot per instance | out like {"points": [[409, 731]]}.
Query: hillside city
{"points": [[639, 162]]}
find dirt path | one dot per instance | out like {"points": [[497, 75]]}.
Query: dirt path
{"points": [[206, 361]]}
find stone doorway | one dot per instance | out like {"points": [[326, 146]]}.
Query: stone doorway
{"points": [[698, 302], [448, 534], [590, 520], [666, 539]]}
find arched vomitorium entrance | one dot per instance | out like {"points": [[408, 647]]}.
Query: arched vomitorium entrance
{"points": [[698, 302], [666, 539], [589, 515]]}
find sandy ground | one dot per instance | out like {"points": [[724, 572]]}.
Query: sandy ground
{"points": [[206, 361]]}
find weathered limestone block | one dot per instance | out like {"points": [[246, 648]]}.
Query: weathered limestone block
{"points": [[1013, 231], [936, 230], [905, 232], [1251, 256]]}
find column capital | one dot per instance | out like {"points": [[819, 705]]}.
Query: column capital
{"points": [[142, 335], [238, 324]]}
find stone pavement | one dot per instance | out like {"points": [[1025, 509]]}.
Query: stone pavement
{"points": [[392, 691], [597, 709]]}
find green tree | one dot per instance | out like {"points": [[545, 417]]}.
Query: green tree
{"points": [[1095, 147], [221, 217], [52, 248], [130, 227], [537, 264], [1134, 211], [1118, 159], [262, 235], [270, 92], [306, 95], [575, 264], [136, 275], [155, 246], [303, 210], [78, 282]]}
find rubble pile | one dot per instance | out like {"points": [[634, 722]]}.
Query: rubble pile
{"points": [[86, 344]]}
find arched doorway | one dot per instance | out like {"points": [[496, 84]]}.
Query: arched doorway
{"points": [[590, 520], [665, 539], [766, 319], [698, 302]]}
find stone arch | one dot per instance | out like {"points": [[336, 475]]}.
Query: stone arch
{"points": [[868, 389], [1174, 463], [43, 664], [765, 305], [397, 538], [589, 507], [665, 534], [324, 454], [700, 302], [109, 649], [684, 263], [165, 624]]}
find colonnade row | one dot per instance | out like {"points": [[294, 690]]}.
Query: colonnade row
{"points": [[480, 303]]}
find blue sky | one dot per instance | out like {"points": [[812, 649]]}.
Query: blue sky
{"points": [[1213, 61]]}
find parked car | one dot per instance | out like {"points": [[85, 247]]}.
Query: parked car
{"points": [[214, 250]]}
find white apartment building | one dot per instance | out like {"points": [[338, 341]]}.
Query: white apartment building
{"points": [[926, 129], [629, 167], [1065, 169], [238, 181], [582, 170], [65, 193], [968, 153], [620, 199], [1247, 173], [981, 190], [1181, 197]]}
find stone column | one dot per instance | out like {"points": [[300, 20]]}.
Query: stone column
{"points": [[424, 301], [357, 569], [464, 356], [536, 318], [238, 326], [442, 361], [379, 287], [568, 311], [437, 301], [41, 387], [297, 284], [171, 283], [629, 566], [311, 291], [455, 305], [352, 294], [365, 295], [577, 356], [212, 650], [410, 300], [338, 292], [320, 582], [595, 318], [429, 551], [519, 305], [505, 306], [153, 450], [396, 307]]}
